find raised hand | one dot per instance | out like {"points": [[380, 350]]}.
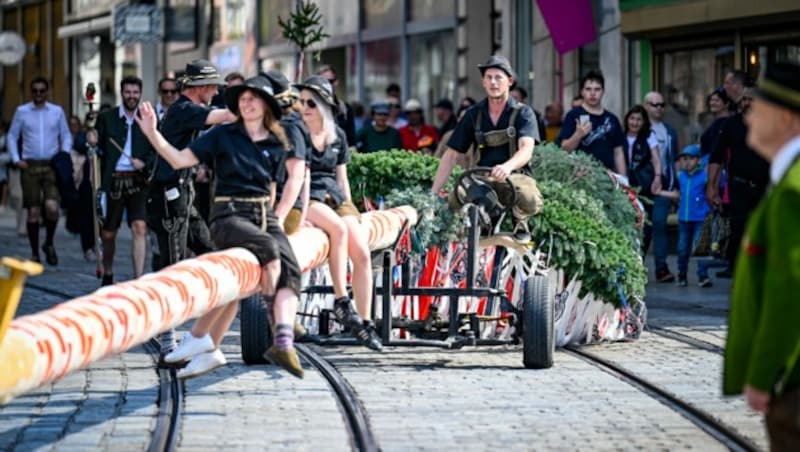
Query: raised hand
{"points": [[147, 118]]}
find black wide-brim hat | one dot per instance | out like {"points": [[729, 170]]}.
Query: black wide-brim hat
{"points": [[259, 85], [201, 73], [499, 62], [285, 94], [322, 87], [780, 85]]}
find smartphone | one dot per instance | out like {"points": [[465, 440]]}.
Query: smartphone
{"points": [[584, 119]]}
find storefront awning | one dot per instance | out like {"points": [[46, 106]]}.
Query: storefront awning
{"points": [[84, 27], [570, 22]]}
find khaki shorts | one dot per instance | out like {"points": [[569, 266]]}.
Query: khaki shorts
{"points": [[38, 183], [344, 209], [528, 201], [292, 221]]}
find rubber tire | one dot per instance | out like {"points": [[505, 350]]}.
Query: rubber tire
{"points": [[256, 337], [538, 327]]}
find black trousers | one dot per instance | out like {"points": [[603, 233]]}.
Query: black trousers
{"points": [[744, 199], [176, 224], [783, 421]]}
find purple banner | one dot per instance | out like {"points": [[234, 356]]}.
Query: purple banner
{"points": [[570, 22]]}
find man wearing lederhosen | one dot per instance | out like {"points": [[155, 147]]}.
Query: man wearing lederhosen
{"points": [[170, 211]]}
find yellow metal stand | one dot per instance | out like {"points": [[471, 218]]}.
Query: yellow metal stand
{"points": [[11, 288]]}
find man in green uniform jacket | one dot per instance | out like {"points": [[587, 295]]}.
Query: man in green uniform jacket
{"points": [[761, 356]]}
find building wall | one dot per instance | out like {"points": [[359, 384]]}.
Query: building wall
{"points": [[46, 54]]}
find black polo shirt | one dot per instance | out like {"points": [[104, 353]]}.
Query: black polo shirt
{"points": [[183, 120], [244, 168], [742, 162], [464, 134], [298, 136], [323, 168]]}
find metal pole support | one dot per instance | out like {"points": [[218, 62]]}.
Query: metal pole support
{"points": [[11, 288]]}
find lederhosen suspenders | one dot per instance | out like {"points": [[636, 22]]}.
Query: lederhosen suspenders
{"points": [[496, 138]]}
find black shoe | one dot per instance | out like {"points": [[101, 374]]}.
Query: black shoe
{"points": [[345, 314], [663, 275], [36, 258], [726, 274], [50, 254], [108, 280], [368, 335], [521, 232], [682, 282]]}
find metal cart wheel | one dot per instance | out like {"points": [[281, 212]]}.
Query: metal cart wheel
{"points": [[538, 342], [256, 335]]}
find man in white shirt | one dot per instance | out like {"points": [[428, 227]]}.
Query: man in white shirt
{"points": [[667, 146], [42, 128]]}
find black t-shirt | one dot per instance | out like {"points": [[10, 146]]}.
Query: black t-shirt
{"points": [[732, 150], [464, 134], [708, 140], [323, 168], [183, 120], [606, 135], [298, 136], [244, 168]]}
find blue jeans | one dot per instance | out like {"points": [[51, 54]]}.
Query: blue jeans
{"points": [[661, 208], [688, 232], [705, 264]]}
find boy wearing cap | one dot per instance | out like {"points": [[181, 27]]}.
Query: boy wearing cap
{"points": [[503, 132], [418, 136], [692, 207], [763, 345], [378, 135]]}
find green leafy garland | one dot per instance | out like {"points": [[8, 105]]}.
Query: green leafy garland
{"points": [[586, 226]]}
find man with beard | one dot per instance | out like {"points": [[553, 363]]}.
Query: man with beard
{"points": [[126, 158]]}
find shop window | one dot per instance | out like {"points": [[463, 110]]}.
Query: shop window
{"points": [[383, 13], [270, 32], [431, 9], [181, 17], [686, 79], [343, 62], [339, 16], [757, 56], [382, 66], [589, 58], [236, 23], [432, 69]]}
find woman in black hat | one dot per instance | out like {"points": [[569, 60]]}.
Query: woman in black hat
{"points": [[332, 210], [241, 217]]}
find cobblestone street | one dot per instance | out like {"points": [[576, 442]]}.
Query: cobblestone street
{"points": [[415, 398]]}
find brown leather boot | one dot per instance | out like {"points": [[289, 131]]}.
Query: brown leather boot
{"points": [[285, 358]]}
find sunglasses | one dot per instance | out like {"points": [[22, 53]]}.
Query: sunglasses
{"points": [[657, 105], [308, 103], [38, 91], [169, 91]]}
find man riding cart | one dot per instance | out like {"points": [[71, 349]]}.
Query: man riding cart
{"points": [[502, 132]]}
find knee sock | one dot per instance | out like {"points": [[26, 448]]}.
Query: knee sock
{"points": [[50, 229], [167, 341], [33, 237], [284, 336]]}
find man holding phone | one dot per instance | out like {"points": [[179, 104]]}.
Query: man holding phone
{"points": [[592, 129]]}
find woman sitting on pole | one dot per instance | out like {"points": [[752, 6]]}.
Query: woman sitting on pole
{"points": [[241, 217], [332, 210]]}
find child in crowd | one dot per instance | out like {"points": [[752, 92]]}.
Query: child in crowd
{"points": [[692, 207]]}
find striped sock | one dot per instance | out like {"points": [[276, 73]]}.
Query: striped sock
{"points": [[284, 337]]}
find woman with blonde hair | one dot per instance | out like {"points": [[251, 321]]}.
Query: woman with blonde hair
{"points": [[241, 217], [332, 210]]}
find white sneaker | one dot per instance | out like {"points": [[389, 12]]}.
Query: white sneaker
{"points": [[203, 363], [189, 347]]}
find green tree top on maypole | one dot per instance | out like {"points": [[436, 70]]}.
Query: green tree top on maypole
{"points": [[304, 29]]}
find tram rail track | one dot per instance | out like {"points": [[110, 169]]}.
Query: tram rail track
{"points": [[170, 390], [720, 431]]}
